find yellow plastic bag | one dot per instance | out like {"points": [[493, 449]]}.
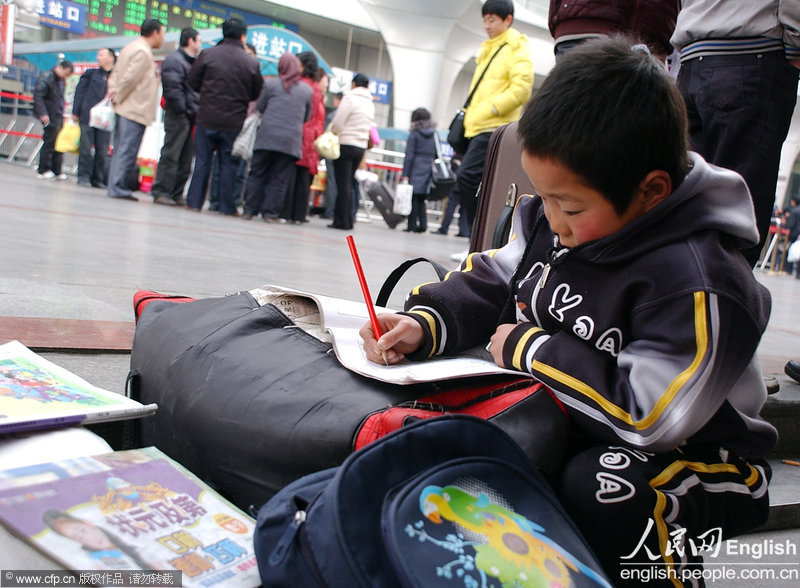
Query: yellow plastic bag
{"points": [[68, 139]]}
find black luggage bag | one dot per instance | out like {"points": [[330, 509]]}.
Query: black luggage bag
{"points": [[249, 402], [382, 196]]}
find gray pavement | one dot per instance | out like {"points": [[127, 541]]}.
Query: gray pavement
{"points": [[71, 252]]}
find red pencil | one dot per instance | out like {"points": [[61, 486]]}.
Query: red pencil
{"points": [[373, 318]]}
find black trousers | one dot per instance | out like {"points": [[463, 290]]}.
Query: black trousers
{"points": [[175, 163], [271, 177], [740, 108], [418, 219], [629, 504], [296, 206], [345, 169], [469, 176], [49, 158], [93, 157]]}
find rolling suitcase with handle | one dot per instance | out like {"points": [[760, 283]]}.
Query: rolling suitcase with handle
{"points": [[503, 182], [381, 195]]}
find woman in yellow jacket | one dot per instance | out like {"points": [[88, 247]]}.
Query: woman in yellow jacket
{"points": [[499, 98]]}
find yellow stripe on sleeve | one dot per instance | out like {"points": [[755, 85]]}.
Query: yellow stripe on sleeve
{"points": [[516, 359], [701, 344], [431, 324]]}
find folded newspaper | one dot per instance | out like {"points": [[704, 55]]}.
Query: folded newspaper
{"points": [[130, 510], [337, 321], [37, 394]]}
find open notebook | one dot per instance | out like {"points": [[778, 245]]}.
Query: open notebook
{"points": [[338, 321], [37, 394]]}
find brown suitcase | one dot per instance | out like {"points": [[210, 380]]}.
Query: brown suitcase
{"points": [[502, 183]]}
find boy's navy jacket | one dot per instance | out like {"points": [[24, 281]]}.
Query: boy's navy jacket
{"points": [[648, 335]]}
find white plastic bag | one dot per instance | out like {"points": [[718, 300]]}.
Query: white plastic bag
{"points": [[794, 252], [101, 115], [246, 140], [402, 199]]}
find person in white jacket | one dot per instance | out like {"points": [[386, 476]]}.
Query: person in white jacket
{"points": [[352, 122]]}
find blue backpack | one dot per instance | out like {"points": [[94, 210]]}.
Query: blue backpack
{"points": [[446, 502]]}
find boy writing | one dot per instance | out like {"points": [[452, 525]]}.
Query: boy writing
{"points": [[622, 288]]}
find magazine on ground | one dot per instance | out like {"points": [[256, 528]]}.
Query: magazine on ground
{"points": [[38, 394], [130, 510], [338, 321]]}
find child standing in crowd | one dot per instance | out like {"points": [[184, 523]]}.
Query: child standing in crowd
{"points": [[417, 168], [624, 289]]}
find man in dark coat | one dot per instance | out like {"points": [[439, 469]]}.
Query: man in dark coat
{"points": [[48, 107], [228, 80], [650, 21], [92, 88], [180, 109]]}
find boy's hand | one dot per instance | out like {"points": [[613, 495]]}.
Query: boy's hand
{"points": [[498, 340], [401, 335]]}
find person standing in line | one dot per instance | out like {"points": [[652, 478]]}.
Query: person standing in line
{"points": [[738, 76], [352, 122], [330, 172], [227, 79], [498, 99], [92, 89], [48, 107], [242, 166], [651, 22], [285, 105], [418, 167], [133, 89], [180, 108], [296, 207]]}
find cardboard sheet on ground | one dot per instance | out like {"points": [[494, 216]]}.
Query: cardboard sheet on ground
{"points": [[338, 321], [37, 394]]}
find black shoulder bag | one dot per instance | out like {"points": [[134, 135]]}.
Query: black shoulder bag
{"points": [[455, 136]]}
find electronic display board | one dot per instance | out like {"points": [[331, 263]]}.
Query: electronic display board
{"points": [[124, 17]]}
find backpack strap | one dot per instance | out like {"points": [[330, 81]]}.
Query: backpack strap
{"points": [[394, 277]]}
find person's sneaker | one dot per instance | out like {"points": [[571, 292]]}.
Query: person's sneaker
{"points": [[772, 384], [62, 177], [459, 257], [792, 369], [48, 175]]}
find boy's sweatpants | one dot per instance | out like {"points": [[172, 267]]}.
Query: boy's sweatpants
{"points": [[638, 508]]}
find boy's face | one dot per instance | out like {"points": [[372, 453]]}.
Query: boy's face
{"points": [[494, 25], [576, 212]]}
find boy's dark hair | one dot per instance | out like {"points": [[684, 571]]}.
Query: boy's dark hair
{"points": [[113, 53], [188, 34], [150, 26], [612, 115], [308, 60], [501, 8], [360, 81], [234, 28], [339, 95], [67, 65]]}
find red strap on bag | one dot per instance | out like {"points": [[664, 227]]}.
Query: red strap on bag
{"points": [[143, 298]]}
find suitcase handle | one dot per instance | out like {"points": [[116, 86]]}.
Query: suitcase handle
{"points": [[503, 227], [394, 277]]}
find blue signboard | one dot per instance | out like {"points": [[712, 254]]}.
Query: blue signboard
{"points": [[63, 15], [381, 90], [272, 42]]}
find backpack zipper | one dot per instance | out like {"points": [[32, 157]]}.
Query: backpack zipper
{"points": [[292, 532]]}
